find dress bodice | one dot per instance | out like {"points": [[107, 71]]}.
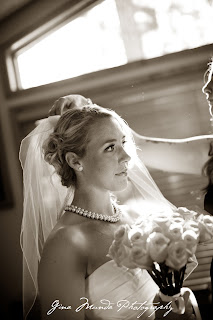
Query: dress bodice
{"points": [[120, 293]]}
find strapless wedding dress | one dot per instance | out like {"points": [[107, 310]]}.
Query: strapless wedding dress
{"points": [[118, 293]]}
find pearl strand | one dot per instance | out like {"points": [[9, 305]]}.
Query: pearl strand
{"points": [[93, 215]]}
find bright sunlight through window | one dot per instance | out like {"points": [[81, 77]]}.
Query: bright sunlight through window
{"points": [[113, 33], [89, 43]]}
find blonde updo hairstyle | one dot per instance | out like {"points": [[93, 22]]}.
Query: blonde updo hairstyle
{"points": [[71, 134]]}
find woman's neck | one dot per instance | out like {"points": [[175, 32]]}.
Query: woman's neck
{"points": [[94, 201]]}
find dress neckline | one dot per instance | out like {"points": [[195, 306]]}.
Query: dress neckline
{"points": [[112, 264], [100, 267]]}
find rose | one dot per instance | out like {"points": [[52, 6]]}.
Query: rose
{"points": [[140, 255], [205, 223], [178, 219], [186, 213], [175, 231], [192, 225], [191, 240], [163, 220], [113, 251], [127, 260], [136, 234], [121, 235], [121, 255], [148, 227], [208, 220], [157, 246], [153, 227], [177, 255]]}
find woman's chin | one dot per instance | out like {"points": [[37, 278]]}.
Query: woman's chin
{"points": [[121, 186]]}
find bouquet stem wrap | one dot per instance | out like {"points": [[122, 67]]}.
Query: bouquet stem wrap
{"points": [[169, 281], [179, 303]]}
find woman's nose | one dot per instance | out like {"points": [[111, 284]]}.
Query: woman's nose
{"points": [[206, 89], [125, 157]]}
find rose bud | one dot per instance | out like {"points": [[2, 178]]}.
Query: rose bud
{"points": [[121, 235], [177, 255], [157, 245], [175, 231], [141, 257], [191, 239], [186, 213]]}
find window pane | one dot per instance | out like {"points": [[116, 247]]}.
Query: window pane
{"points": [[89, 43], [168, 26], [114, 33]]}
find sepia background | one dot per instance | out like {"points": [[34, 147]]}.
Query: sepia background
{"points": [[152, 75]]}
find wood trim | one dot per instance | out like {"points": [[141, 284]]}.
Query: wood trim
{"points": [[40, 17], [6, 197], [188, 63], [39, 14]]}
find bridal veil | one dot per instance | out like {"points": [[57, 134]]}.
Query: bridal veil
{"points": [[45, 198]]}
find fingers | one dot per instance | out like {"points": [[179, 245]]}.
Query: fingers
{"points": [[58, 107], [63, 104], [68, 102], [186, 297], [89, 101]]}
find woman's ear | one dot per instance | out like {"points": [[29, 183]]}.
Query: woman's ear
{"points": [[73, 161]]}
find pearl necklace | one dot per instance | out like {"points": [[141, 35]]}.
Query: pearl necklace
{"points": [[92, 215]]}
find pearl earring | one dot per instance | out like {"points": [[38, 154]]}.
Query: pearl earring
{"points": [[80, 168]]}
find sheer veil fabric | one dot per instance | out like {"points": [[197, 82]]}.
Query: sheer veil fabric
{"points": [[45, 198]]}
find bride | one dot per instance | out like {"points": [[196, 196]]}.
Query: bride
{"points": [[75, 165]]}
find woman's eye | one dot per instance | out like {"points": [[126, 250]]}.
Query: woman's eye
{"points": [[110, 148], [124, 142]]}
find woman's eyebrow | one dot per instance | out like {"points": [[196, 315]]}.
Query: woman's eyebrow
{"points": [[112, 140], [109, 141]]}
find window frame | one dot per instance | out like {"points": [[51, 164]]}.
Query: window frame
{"points": [[94, 84], [51, 23]]}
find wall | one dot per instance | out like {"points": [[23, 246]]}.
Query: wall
{"points": [[160, 97], [13, 27]]}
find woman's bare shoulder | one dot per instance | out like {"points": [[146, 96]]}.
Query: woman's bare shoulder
{"points": [[63, 266], [66, 247], [69, 238]]}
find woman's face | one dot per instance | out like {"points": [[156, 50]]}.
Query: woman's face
{"points": [[208, 90], [105, 162]]}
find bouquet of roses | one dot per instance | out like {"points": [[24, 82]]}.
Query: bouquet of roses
{"points": [[162, 243]]}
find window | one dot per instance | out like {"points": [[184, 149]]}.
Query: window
{"points": [[89, 43], [110, 34]]}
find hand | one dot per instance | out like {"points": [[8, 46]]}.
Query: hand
{"points": [[68, 102]]}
